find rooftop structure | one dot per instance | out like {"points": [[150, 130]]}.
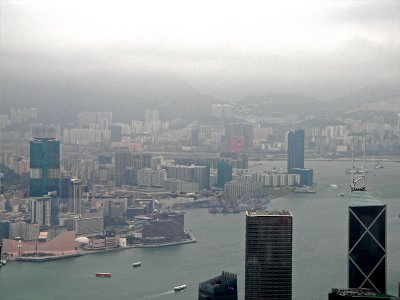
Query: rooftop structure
{"points": [[223, 287], [367, 238], [265, 213]]}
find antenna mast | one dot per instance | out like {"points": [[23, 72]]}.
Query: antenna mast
{"points": [[356, 184]]}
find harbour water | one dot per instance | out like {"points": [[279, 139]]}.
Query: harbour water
{"points": [[319, 254]]}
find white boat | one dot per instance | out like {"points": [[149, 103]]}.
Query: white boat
{"points": [[333, 186], [3, 262], [180, 288], [304, 189], [137, 264], [379, 165]]}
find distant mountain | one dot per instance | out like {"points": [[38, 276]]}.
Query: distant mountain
{"points": [[127, 95], [284, 103], [368, 97]]}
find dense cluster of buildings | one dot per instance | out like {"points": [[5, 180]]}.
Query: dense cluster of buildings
{"points": [[104, 183]]}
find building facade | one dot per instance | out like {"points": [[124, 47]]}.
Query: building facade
{"points": [[268, 264], [367, 242], [44, 167], [295, 140], [75, 196]]}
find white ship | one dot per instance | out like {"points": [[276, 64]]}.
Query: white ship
{"points": [[179, 288], [304, 189], [137, 264]]}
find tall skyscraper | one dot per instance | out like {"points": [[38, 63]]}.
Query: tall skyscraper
{"points": [[223, 287], [367, 242], [45, 167], [295, 140], [268, 266], [75, 196]]}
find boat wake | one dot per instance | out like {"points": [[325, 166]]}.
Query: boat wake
{"points": [[157, 295]]}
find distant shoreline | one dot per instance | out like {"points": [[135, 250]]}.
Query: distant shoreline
{"points": [[368, 159], [190, 240]]}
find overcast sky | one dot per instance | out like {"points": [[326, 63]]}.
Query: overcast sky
{"points": [[227, 49]]}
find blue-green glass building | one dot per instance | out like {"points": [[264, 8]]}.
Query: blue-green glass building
{"points": [[224, 172], [295, 140], [306, 176], [44, 167]]}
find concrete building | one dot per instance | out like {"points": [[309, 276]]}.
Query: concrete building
{"points": [[23, 230], [222, 287], [75, 196], [124, 160], [268, 263], [89, 226], [237, 190], [41, 212]]}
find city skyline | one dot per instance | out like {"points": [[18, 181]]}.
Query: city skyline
{"points": [[146, 147]]}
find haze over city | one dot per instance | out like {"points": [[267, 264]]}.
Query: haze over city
{"points": [[129, 52], [200, 149]]}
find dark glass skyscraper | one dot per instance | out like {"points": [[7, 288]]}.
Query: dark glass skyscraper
{"points": [[268, 266], [45, 167], [367, 242], [295, 150]]}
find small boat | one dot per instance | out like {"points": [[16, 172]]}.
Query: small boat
{"points": [[101, 274], [379, 165], [333, 186], [3, 262], [179, 288], [137, 264], [341, 195]]}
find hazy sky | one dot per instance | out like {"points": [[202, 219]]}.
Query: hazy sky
{"points": [[227, 49]]}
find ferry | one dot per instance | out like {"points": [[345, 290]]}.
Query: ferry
{"points": [[137, 264], [179, 288], [304, 189], [103, 274]]}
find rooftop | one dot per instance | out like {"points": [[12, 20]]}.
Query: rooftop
{"points": [[362, 198], [269, 213], [220, 279]]}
